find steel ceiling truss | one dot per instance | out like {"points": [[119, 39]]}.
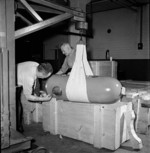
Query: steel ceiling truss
{"points": [[23, 18], [64, 14], [31, 11]]}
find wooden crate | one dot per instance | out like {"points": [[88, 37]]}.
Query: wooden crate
{"points": [[32, 112], [104, 126]]}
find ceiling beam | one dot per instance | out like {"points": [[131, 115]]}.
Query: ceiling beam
{"points": [[31, 11], [59, 7], [41, 25], [23, 18], [39, 8], [121, 3]]}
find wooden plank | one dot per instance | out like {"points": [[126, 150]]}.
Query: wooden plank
{"points": [[1, 80], [7, 45], [32, 112], [2, 24], [31, 11], [54, 116], [11, 61], [5, 123], [119, 127], [18, 142], [41, 9], [5, 82], [49, 110], [17, 137], [17, 147], [37, 112], [109, 117], [76, 121], [98, 127], [38, 26], [142, 119], [149, 118]]}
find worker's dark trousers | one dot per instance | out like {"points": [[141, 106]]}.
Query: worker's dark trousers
{"points": [[19, 109]]}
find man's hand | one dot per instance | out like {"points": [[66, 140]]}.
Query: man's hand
{"points": [[46, 98], [43, 93], [37, 99], [59, 72]]}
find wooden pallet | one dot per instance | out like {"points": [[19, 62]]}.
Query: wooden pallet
{"points": [[18, 142]]}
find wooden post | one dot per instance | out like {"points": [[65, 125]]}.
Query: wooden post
{"points": [[10, 45], [8, 107], [98, 127], [5, 133]]}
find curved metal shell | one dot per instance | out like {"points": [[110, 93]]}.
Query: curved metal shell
{"points": [[99, 89]]}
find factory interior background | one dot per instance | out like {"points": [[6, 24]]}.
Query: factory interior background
{"points": [[117, 30], [117, 27]]}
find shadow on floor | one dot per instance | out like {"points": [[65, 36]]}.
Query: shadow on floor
{"points": [[61, 144]]}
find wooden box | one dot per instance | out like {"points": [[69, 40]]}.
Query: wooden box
{"points": [[104, 126], [104, 68], [32, 112]]}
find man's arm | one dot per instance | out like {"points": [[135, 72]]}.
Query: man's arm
{"points": [[59, 72], [64, 67], [27, 90], [35, 98]]}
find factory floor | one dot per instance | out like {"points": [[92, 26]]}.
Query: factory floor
{"points": [[58, 144]]}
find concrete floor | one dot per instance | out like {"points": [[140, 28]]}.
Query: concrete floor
{"points": [[57, 144]]}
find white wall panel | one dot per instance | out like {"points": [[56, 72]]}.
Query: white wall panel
{"points": [[124, 37]]}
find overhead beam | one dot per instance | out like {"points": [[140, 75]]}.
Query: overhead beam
{"points": [[23, 18], [41, 25], [59, 7], [39, 8], [121, 3], [31, 11]]}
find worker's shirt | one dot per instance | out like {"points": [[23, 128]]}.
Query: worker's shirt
{"points": [[68, 62], [26, 76]]}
